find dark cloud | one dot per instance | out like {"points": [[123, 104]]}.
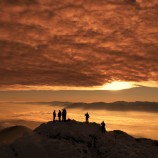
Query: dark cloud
{"points": [[83, 43]]}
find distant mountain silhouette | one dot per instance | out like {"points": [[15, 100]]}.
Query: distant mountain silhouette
{"points": [[8, 135], [115, 106], [12, 122]]}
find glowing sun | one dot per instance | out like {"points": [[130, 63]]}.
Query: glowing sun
{"points": [[117, 85]]}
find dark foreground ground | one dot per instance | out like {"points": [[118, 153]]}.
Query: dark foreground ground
{"points": [[73, 140]]}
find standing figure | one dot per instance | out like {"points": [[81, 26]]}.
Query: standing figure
{"points": [[103, 127], [59, 115], [87, 117], [54, 115], [65, 112], [62, 114]]}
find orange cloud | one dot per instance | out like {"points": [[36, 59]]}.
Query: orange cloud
{"points": [[84, 43]]}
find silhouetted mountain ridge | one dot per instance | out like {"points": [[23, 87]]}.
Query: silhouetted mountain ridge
{"points": [[9, 134], [143, 106], [117, 106], [74, 139]]}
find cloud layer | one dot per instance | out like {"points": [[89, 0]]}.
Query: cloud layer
{"points": [[78, 43], [118, 106]]}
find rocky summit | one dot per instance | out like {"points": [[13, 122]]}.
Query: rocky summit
{"points": [[74, 139]]}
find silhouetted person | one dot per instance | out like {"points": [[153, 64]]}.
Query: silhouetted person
{"points": [[59, 115], [65, 112], [54, 115], [103, 126], [64, 115], [87, 117]]}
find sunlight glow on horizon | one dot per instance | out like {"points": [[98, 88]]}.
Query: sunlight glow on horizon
{"points": [[114, 85], [118, 85]]}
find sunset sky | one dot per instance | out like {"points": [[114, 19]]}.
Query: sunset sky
{"points": [[79, 45]]}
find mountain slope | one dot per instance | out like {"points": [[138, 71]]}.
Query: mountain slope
{"points": [[78, 140], [8, 135]]}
